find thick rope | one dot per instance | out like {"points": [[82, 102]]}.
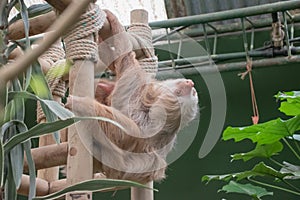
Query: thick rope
{"points": [[77, 46], [56, 83], [53, 54], [143, 35]]}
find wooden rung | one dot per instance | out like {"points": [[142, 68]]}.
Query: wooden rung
{"points": [[42, 186], [48, 156], [45, 188]]}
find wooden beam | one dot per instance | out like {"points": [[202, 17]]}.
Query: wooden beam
{"points": [[42, 186], [48, 156], [45, 188], [38, 25]]}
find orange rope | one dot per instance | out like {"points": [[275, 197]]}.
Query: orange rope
{"points": [[255, 117]]}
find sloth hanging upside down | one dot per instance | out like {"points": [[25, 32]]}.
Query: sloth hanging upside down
{"points": [[150, 114]]}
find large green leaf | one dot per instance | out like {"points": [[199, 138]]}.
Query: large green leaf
{"points": [[7, 125], [264, 133], [19, 106], [258, 170], [93, 186], [254, 191], [291, 104], [261, 169], [10, 186], [17, 159], [25, 19], [31, 166], [261, 151], [38, 82]]}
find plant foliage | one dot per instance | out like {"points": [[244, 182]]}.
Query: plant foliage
{"points": [[15, 134], [270, 138]]}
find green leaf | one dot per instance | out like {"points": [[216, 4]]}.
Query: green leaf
{"points": [[7, 125], [93, 186], [38, 130], [49, 127], [38, 82], [19, 105], [290, 108], [40, 87], [262, 169], [53, 106], [261, 151], [248, 189], [1, 163], [33, 11], [291, 104], [225, 177], [25, 19], [10, 186], [16, 159], [264, 133], [58, 109], [31, 167], [258, 170]]}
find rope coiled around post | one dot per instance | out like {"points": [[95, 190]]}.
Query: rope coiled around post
{"points": [[54, 76], [143, 35], [77, 46]]}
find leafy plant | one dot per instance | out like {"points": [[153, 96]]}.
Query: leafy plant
{"points": [[15, 136], [269, 138]]}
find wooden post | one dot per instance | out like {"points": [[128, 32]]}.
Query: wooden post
{"points": [[141, 16], [142, 194], [80, 161]]}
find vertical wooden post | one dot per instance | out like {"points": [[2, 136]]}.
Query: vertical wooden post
{"points": [[142, 194], [80, 161], [141, 16]]}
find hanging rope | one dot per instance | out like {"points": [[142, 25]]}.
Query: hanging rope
{"points": [[255, 117], [143, 35], [78, 47]]}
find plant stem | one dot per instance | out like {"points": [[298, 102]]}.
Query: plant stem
{"points": [[296, 144], [291, 148], [277, 163], [292, 186], [274, 186]]}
